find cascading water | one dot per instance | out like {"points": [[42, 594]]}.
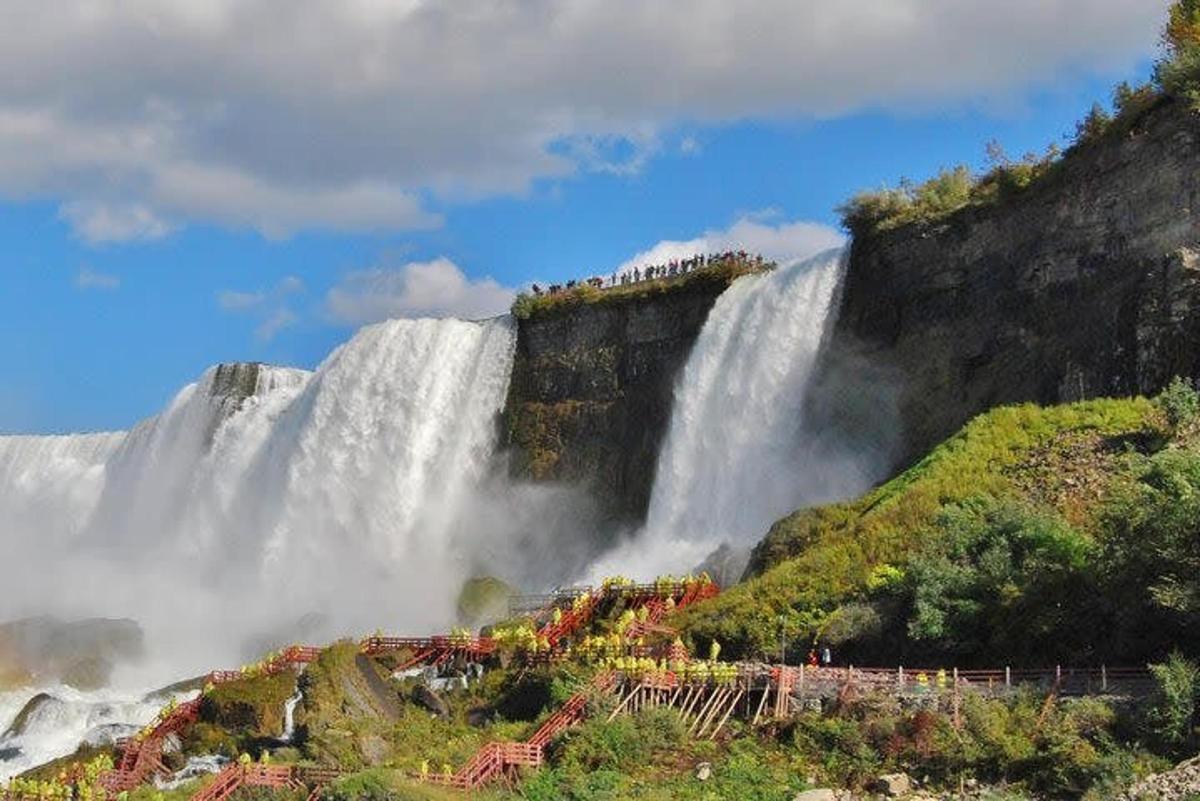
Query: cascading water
{"points": [[361, 495], [738, 455], [289, 717], [52, 484], [338, 492], [53, 722]]}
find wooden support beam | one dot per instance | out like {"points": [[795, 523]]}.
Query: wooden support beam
{"points": [[710, 710], [623, 703], [729, 711], [686, 701], [762, 703], [699, 692], [702, 709]]}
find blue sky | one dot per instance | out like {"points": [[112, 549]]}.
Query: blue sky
{"points": [[141, 242]]}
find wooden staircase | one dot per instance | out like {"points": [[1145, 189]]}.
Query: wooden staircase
{"points": [[498, 759], [276, 777], [141, 756]]}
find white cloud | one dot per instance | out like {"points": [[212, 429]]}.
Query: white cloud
{"points": [[97, 223], [87, 278], [269, 305], [435, 288], [783, 242], [144, 115], [230, 300], [275, 322]]}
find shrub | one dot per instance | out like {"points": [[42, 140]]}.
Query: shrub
{"points": [[1179, 71], [947, 192], [1151, 555], [1172, 714], [1179, 403], [622, 743], [840, 746], [997, 580], [368, 785], [1093, 126], [524, 305]]}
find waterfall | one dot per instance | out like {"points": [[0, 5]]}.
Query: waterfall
{"points": [[222, 521], [289, 716], [738, 453], [52, 484]]}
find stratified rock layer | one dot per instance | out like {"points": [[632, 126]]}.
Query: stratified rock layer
{"points": [[591, 392], [1085, 285]]}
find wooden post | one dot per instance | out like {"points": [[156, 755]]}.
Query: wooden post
{"points": [[1007, 677], [900, 679], [761, 704], [623, 703], [1103, 678], [957, 718]]}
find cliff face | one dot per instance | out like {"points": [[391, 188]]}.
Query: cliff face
{"points": [[591, 392], [1085, 285]]}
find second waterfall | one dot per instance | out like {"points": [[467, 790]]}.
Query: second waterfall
{"points": [[741, 451]]}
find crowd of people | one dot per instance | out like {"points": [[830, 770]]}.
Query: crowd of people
{"points": [[654, 272]]}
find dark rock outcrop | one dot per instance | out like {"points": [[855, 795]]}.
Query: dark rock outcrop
{"points": [[21, 722], [233, 382], [1087, 284], [592, 388], [430, 701]]}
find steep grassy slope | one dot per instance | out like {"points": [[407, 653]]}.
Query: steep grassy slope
{"points": [[1051, 478]]}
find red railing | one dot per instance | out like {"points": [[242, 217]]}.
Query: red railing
{"points": [[495, 758], [141, 757], [277, 777]]}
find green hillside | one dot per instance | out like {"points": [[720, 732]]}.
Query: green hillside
{"points": [[1035, 536]]}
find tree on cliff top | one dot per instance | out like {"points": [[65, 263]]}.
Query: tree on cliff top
{"points": [[1178, 73]]}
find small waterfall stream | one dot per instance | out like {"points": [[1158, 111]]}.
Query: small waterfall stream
{"points": [[289, 717]]}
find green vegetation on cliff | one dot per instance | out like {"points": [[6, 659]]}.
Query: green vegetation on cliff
{"points": [[1176, 77], [527, 305], [1034, 536]]}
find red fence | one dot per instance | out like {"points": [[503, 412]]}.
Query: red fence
{"points": [[276, 777], [496, 758]]}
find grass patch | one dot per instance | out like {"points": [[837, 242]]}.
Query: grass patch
{"points": [[251, 707]]}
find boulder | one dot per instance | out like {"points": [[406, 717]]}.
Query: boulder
{"points": [[1178, 784], [430, 700], [823, 794], [892, 785], [704, 771], [374, 749]]}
